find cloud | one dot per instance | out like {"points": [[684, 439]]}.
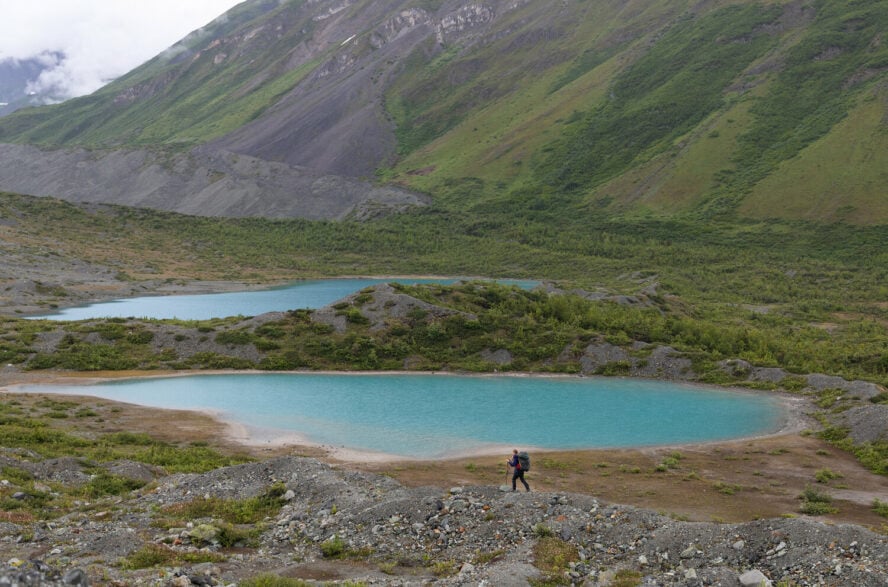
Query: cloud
{"points": [[88, 43]]}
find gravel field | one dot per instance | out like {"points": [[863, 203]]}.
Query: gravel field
{"points": [[464, 535]]}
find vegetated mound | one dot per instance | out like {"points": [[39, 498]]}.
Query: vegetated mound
{"points": [[381, 306], [361, 526]]}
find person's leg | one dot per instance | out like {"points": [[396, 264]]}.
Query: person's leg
{"points": [[514, 477], [526, 486]]}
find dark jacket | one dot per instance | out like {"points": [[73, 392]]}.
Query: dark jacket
{"points": [[515, 463]]}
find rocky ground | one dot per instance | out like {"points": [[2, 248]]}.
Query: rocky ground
{"points": [[385, 533]]}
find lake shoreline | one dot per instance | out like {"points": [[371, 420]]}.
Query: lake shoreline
{"points": [[108, 294], [19, 304], [794, 418], [733, 480]]}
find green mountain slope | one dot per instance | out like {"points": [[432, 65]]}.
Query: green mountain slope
{"points": [[723, 109]]}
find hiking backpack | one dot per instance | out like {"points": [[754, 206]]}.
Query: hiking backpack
{"points": [[524, 461]]}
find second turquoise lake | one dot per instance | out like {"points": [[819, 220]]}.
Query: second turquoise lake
{"points": [[298, 295]]}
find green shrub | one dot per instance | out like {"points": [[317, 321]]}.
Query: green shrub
{"points": [[816, 502], [825, 476], [140, 337], [230, 535], [236, 337], [833, 434], [446, 568], [540, 530], [793, 383], [16, 475], [158, 555], [815, 494], [727, 488], [104, 484], [354, 316], [150, 555], [817, 508], [614, 369], [828, 398], [235, 511], [128, 438], [270, 580], [264, 345], [211, 360], [270, 330], [190, 459], [552, 556], [670, 462], [333, 547]]}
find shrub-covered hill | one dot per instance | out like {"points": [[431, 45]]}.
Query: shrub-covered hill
{"points": [[578, 108], [475, 326]]}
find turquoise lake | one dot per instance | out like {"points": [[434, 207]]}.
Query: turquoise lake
{"points": [[427, 416], [295, 296]]}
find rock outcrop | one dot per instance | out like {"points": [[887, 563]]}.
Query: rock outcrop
{"points": [[475, 535]]}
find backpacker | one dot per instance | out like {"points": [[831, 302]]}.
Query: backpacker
{"points": [[524, 461]]}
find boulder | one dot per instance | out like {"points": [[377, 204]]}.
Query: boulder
{"points": [[754, 578]]}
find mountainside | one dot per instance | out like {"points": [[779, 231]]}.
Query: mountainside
{"points": [[713, 109]]}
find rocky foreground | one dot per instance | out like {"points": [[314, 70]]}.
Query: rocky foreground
{"points": [[336, 524]]}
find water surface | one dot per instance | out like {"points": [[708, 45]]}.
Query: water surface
{"points": [[295, 296], [433, 415]]}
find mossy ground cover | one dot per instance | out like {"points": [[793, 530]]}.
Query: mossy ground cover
{"points": [[55, 427], [95, 432]]}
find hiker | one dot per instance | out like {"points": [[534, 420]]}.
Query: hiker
{"points": [[518, 469]]}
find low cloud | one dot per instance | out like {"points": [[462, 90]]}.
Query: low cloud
{"points": [[86, 44]]}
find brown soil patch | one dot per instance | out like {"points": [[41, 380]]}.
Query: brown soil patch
{"points": [[852, 316], [730, 482], [16, 517]]}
